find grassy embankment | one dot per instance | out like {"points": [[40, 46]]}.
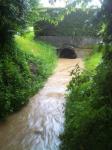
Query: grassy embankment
{"points": [[23, 72], [81, 126]]}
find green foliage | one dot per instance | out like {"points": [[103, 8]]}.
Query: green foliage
{"points": [[53, 15], [77, 113], [44, 28], [78, 23], [74, 23], [103, 80], [23, 72], [33, 13], [106, 21], [44, 51], [89, 106], [92, 61], [11, 16], [88, 117], [14, 17]]}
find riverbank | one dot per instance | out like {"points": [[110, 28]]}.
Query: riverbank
{"points": [[39, 124], [24, 69], [79, 112]]}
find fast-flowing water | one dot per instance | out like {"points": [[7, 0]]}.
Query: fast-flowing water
{"points": [[38, 125]]}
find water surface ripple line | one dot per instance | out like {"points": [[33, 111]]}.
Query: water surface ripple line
{"points": [[38, 125]]}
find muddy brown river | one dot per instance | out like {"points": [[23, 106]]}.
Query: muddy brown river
{"points": [[38, 125]]}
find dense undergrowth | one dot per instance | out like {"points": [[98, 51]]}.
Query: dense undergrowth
{"points": [[23, 70], [89, 109]]}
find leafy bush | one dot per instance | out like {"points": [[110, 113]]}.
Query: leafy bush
{"points": [[78, 23], [77, 111], [22, 73], [88, 109], [94, 129]]}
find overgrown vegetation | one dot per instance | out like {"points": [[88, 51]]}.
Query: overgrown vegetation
{"points": [[23, 72], [92, 61], [24, 63], [89, 105], [81, 126], [75, 23]]}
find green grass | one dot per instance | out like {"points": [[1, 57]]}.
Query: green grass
{"points": [[92, 61], [44, 51], [23, 71]]}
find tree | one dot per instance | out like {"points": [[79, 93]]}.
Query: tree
{"points": [[106, 15], [34, 12], [13, 18]]}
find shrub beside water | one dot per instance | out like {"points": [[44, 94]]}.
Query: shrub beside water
{"points": [[89, 107], [23, 71]]}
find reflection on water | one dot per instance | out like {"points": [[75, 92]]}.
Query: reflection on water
{"points": [[38, 125]]}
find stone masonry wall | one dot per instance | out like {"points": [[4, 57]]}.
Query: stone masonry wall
{"points": [[79, 42]]}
